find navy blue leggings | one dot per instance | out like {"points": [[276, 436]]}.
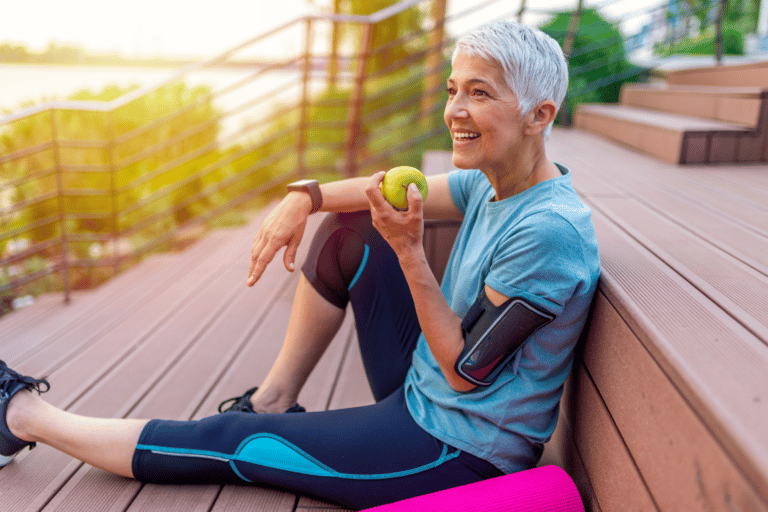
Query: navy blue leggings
{"points": [[358, 457]]}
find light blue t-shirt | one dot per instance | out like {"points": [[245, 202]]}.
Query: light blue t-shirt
{"points": [[539, 245]]}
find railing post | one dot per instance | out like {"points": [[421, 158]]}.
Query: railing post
{"points": [[113, 192], [301, 142], [719, 32], [432, 63], [62, 213], [573, 28], [356, 102], [521, 11], [333, 64]]}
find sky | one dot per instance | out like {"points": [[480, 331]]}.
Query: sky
{"points": [[148, 28]]}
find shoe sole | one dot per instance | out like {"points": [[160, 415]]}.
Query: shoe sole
{"points": [[6, 459]]}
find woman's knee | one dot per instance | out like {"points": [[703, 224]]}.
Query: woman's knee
{"points": [[337, 252]]}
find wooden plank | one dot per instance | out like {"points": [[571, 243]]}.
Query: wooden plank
{"points": [[247, 498], [752, 74], [674, 193], [737, 105], [708, 186], [681, 461], [43, 306], [96, 312], [561, 449], [677, 122], [83, 302], [613, 475], [736, 288], [111, 397], [718, 366]]}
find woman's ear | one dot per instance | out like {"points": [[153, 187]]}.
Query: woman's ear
{"points": [[543, 114]]}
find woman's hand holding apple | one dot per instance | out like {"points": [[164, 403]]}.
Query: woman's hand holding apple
{"points": [[403, 230]]}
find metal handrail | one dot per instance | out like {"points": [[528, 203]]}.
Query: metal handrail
{"points": [[133, 172], [149, 196]]}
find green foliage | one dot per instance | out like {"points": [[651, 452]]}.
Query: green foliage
{"points": [[147, 182], [154, 166], [385, 32], [598, 66], [704, 44]]}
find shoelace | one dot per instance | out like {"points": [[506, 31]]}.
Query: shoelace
{"points": [[8, 378], [239, 403]]}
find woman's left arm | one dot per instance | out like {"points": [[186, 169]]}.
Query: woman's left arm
{"points": [[404, 232]]}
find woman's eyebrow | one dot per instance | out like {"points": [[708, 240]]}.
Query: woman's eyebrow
{"points": [[473, 81]]}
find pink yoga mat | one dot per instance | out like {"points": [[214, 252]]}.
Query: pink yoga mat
{"points": [[544, 489]]}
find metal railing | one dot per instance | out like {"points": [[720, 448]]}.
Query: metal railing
{"points": [[92, 187]]}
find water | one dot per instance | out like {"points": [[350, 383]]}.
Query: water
{"points": [[22, 84]]}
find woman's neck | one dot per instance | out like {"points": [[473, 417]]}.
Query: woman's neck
{"points": [[527, 168]]}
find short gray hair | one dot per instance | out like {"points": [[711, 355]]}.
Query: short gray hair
{"points": [[533, 63]]}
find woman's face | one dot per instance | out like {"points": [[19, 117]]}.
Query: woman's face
{"points": [[482, 114]]}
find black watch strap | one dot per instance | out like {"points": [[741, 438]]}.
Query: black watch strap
{"points": [[312, 187]]}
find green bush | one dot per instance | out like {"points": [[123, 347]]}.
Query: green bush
{"points": [[598, 66]]}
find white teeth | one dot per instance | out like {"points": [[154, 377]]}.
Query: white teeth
{"points": [[466, 135]]}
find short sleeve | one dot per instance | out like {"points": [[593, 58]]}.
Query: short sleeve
{"points": [[541, 260], [461, 182]]}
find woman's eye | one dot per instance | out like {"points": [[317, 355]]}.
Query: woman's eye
{"points": [[451, 91], [479, 92]]}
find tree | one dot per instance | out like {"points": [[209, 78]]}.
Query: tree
{"points": [[597, 64]]}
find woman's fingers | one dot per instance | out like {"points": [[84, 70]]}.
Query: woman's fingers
{"points": [[289, 258], [373, 191], [415, 201]]}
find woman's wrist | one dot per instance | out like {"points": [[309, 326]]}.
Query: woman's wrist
{"points": [[301, 199], [412, 258]]}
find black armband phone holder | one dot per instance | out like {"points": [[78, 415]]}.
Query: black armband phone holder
{"points": [[493, 334]]}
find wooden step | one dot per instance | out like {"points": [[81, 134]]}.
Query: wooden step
{"points": [[736, 105], [673, 138], [670, 322], [753, 74]]}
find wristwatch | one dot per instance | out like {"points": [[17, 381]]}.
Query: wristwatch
{"points": [[312, 187]]}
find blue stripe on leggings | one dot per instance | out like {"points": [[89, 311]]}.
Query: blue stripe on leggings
{"points": [[272, 451], [360, 268]]}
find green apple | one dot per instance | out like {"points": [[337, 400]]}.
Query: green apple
{"points": [[395, 185]]}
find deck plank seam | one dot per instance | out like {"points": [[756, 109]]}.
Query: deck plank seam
{"points": [[710, 240], [746, 319]]}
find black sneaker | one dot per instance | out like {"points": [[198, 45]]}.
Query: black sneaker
{"points": [[10, 384], [243, 404]]}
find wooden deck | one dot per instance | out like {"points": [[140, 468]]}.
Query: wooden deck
{"points": [[669, 399]]}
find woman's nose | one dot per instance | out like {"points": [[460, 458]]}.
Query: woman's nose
{"points": [[456, 108]]}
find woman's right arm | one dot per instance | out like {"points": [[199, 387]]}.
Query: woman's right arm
{"points": [[284, 226]]}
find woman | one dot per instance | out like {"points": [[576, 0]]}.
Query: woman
{"points": [[525, 236]]}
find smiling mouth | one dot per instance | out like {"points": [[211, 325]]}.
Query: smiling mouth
{"points": [[465, 136]]}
